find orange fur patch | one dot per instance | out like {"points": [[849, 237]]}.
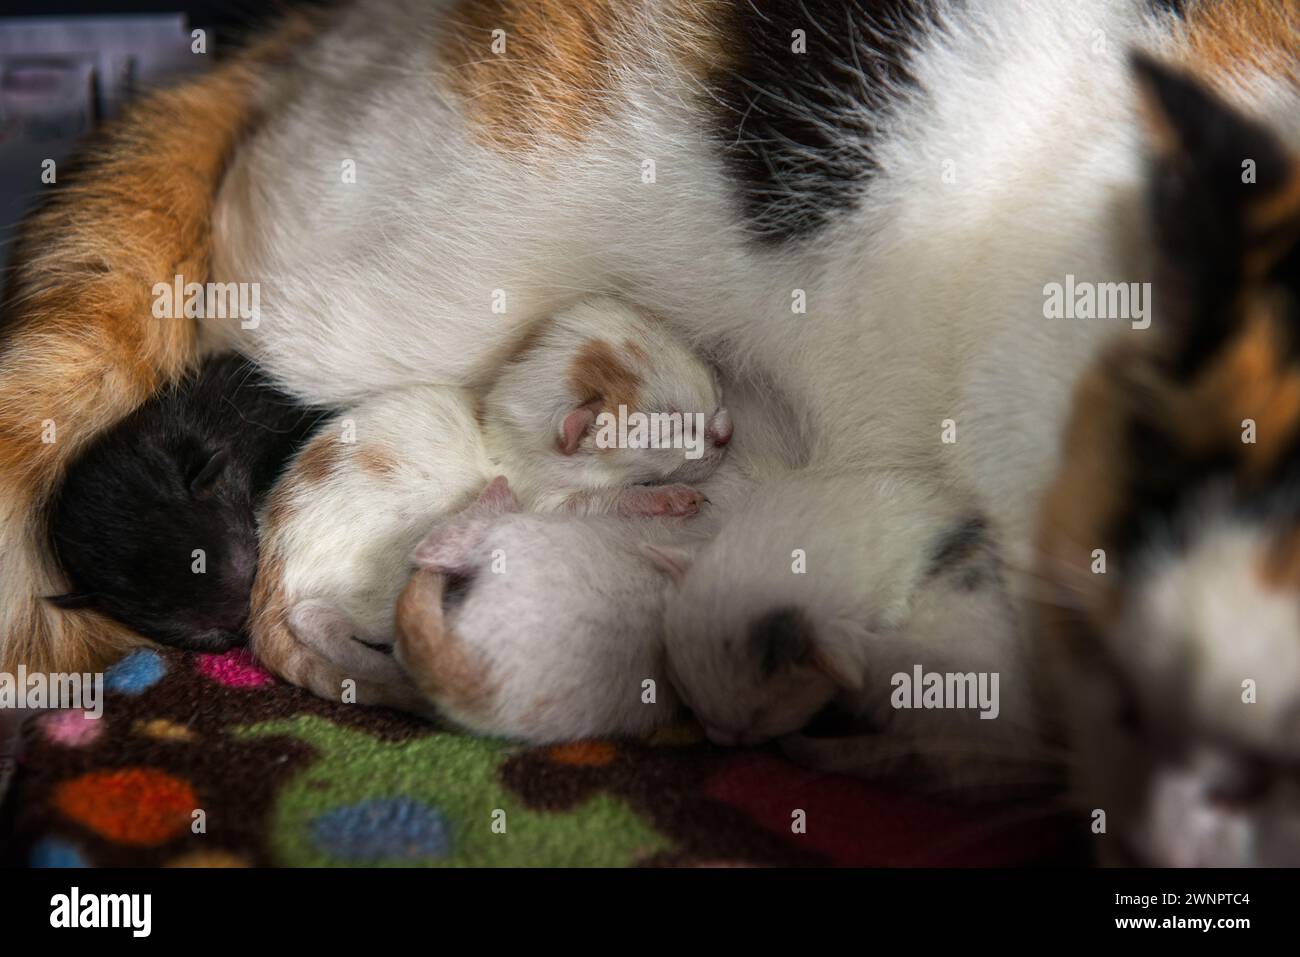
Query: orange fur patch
{"points": [[1085, 496], [597, 372], [583, 754], [558, 73], [553, 79], [376, 462], [1228, 37], [436, 657], [1280, 564], [319, 460], [81, 348], [1252, 379]]}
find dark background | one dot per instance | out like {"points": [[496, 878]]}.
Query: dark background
{"points": [[228, 18], [227, 22]]}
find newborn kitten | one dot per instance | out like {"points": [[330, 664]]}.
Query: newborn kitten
{"points": [[771, 622], [499, 625], [184, 472], [540, 416], [339, 530]]}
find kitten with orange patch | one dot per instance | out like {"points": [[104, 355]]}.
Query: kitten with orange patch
{"points": [[501, 630], [337, 534]]}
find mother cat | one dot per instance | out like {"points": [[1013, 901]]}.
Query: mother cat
{"points": [[870, 204]]}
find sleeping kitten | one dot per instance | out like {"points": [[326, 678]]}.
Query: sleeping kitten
{"points": [[501, 627], [338, 532], [178, 480], [805, 628]]}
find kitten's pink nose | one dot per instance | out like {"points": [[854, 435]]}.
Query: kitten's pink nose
{"points": [[718, 431]]}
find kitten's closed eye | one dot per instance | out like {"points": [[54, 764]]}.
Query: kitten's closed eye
{"points": [[456, 589]]}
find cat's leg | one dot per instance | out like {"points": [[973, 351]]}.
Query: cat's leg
{"points": [[313, 647], [302, 665], [329, 630], [825, 589]]}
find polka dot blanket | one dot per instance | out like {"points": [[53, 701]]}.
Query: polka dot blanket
{"points": [[208, 760]]}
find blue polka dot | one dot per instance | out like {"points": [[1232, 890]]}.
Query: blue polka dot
{"points": [[52, 852], [137, 672], [382, 828]]}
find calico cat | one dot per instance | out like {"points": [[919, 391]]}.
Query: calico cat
{"points": [[1177, 657], [866, 204]]}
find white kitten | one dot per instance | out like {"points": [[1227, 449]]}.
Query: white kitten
{"points": [[539, 627], [771, 621]]}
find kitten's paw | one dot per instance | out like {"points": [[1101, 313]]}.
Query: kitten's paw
{"points": [[662, 501]]}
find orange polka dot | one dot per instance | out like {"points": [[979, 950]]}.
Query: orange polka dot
{"points": [[586, 754], [138, 806], [164, 730]]}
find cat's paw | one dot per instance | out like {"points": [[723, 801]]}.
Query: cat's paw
{"points": [[662, 501]]}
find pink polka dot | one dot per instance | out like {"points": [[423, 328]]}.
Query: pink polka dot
{"points": [[71, 728], [235, 669]]}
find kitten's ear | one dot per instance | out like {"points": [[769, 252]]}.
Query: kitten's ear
{"points": [[1225, 203], [498, 496], [453, 546], [575, 426], [450, 549], [73, 601], [201, 480], [673, 560]]}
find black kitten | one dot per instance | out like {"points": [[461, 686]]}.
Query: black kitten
{"points": [[184, 472]]}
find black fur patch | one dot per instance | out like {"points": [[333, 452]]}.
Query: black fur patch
{"points": [[1177, 7], [966, 551], [796, 129], [782, 638], [1200, 204]]}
